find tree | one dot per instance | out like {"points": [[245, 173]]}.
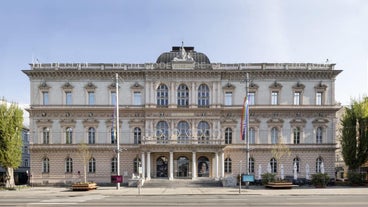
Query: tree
{"points": [[354, 134], [85, 155], [11, 125], [280, 150]]}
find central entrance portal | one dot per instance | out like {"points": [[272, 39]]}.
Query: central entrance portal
{"points": [[183, 167], [161, 167]]}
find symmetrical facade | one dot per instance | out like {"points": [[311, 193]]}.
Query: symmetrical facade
{"points": [[180, 118]]}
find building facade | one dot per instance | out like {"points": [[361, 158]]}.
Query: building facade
{"points": [[180, 118]]}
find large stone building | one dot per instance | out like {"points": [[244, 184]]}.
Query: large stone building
{"points": [[180, 118]]}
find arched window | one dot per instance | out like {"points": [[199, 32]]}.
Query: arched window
{"points": [[112, 135], [273, 163], [296, 163], [162, 95], [45, 165], [68, 165], [46, 135], [91, 135], [319, 165], [137, 135], [203, 132], [274, 135], [227, 165], [319, 136], [203, 96], [183, 132], [69, 136], [162, 132], [228, 135], [251, 165], [136, 165], [92, 165], [183, 95], [114, 165], [296, 134], [252, 135]]}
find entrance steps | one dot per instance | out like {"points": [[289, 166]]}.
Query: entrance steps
{"points": [[177, 183]]}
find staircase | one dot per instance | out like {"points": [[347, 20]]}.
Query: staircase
{"points": [[178, 183]]}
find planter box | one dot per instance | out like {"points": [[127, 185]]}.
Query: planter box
{"points": [[84, 186], [280, 185]]}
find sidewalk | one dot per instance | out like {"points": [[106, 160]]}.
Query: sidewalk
{"points": [[132, 191]]}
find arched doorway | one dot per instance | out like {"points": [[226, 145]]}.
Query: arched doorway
{"points": [[183, 167], [203, 167], [161, 169]]}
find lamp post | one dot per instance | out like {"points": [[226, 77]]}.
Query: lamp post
{"points": [[117, 130], [247, 127]]}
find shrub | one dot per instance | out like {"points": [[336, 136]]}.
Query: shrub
{"points": [[320, 179], [268, 177], [355, 178]]}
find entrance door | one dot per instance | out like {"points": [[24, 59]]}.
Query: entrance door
{"points": [[203, 167], [183, 167], [161, 167]]}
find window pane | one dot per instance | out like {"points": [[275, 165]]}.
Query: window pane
{"points": [[228, 98], [319, 98], [203, 95], [68, 98], [297, 98], [113, 98], [45, 97], [91, 98], [251, 98], [162, 95], [274, 98], [137, 98]]}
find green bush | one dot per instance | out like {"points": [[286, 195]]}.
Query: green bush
{"points": [[320, 179], [268, 177], [355, 178]]}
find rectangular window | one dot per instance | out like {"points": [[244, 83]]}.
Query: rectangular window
{"points": [[228, 98], [251, 98], [113, 97], [319, 98], [68, 97], [274, 97], [137, 98], [91, 98], [45, 98], [296, 98]]}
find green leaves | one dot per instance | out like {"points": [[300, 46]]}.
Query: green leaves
{"points": [[11, 124], [354, 134]]}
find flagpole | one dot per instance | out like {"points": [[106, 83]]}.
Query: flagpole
{"points": [[247, 126], [117, 130]]}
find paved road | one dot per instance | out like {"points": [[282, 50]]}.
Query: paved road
{"points": [[185, 197]]}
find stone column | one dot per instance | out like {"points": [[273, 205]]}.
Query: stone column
{"points": [[194, 166], [148, 165], [143, 166], [171, 168], [216, 165], [222, 161]]}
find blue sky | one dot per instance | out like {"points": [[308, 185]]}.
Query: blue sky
{"points": [[228, 31]]}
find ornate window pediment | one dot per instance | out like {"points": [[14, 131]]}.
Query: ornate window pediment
{"points": [[112, 86], [67, 86], [298, 86], [320, 87], [43, 86], [298, 122], [90, 86], [136, 86], [228, 86], [253, 87], [276, 85]]}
